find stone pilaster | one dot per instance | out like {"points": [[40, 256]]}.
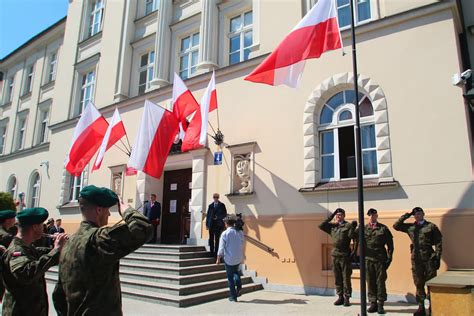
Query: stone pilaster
{"points": [[208, 36], [162, 44]]}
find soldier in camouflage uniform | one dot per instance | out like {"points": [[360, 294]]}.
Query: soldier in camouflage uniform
{"points": [[7, 221], [425, 261], [378, 256], [24, 266], [89, 281], [342, 234]]}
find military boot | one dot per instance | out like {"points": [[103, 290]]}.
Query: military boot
{"points": [[380, 309], [339, 301], [420, 311], [347, 301], [372, 308]]}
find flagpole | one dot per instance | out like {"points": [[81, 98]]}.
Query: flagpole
{"points": [[360, 183]]}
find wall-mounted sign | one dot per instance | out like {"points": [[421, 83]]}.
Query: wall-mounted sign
{"points": [[174, 187], [218, 158]]}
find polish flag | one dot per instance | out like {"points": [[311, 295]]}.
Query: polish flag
{"points": [[115, 131], [196, 134], [315, 34], [184, 102], [157, 131], [88, 134]]}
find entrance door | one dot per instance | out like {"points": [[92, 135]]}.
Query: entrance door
{"points": [[175, 213]]}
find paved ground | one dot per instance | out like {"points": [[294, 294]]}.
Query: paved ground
{"points": [[257, 303]]}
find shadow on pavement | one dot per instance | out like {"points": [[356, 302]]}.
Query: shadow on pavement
{"points": [[276, 302]]}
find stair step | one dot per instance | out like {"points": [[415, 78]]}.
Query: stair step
{"points": [[170, 262], [183, 301], [172, 270], [175, 289], [172, 248], [174, 279], [178, 255]]}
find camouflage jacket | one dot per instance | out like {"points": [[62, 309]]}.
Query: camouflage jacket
{"points": [[341, 234], [379, 242], [89, 281], [423, 238], [24, 267], [5, 237]]}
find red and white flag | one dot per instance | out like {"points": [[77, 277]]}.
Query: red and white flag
{"points": [[196, 134], [88, 134], [158, 129], [184, 103], [115, 131], [315, 34]]}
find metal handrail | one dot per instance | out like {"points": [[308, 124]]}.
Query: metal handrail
{"points": [[259, 244]]}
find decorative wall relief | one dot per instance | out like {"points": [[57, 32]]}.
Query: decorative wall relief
{"points": [[242, 169], [243, 166]]}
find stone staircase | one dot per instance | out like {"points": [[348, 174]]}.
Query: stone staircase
{"points": [[176, 275]]}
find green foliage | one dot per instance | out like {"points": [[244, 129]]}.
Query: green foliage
{"points": [[6, 202]]}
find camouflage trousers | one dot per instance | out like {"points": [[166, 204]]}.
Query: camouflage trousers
{"points": [[342, 273], [376, 275], [422, 271]]}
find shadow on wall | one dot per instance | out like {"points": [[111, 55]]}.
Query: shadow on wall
{"points": [[457, 227]]}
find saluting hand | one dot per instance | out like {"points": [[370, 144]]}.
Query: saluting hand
{"points": [[60, 240]]}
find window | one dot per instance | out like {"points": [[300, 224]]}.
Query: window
{"points": [[28, 80], [43, 126], [147, 62], [362, 12], [75, 186], [188, 56], [34, 190], [10, 85], [96, 17], [337, 137], [21, 131], [53, 60], [240, 37], [3, 137], [87, 90], [151, 5], [12, 186]]}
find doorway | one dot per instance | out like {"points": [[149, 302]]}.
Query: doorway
{"points": [[175, 216]]}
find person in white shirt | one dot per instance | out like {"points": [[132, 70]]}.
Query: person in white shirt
{"points": [[231, 250]]}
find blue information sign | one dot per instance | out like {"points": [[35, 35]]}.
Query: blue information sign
{"points": [[218, 158]]}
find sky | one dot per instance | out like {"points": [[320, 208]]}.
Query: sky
{"points": [[20, 20]]}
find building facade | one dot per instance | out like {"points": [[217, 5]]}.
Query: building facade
{"points": [[288, 154]]}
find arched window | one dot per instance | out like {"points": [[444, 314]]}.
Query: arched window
{"points": [[12, 186], [34, 190], [337, 137]]}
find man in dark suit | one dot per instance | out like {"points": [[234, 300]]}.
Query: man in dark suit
{"points": [[152, 210], [54, 228], [216, 212]]}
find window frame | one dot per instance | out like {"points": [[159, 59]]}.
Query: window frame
{"points": [[10, 86], [92, 17], [3, 136], [146, 68], [356, 14], [28, 82], [52, 66], [74, 188], [84, 85], [188, 53], [13, 190], [154, 6], [43, 120], [21, 129], [241, 34], [34, 190], [334, 126]]}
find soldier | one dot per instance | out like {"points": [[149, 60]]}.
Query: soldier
{"points": [[89, 265], [378, 256], [342, 233], [24, 266], [423, 235], [7, 221]]}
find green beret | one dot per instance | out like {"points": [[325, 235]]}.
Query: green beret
{"points": [[417, 209], [102, 197], [7, 214], [340, 210], [31, 216]]}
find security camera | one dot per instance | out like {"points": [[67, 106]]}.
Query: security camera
{"points": [[460, 79]]}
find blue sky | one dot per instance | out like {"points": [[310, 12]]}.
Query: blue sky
{"points": [[20, 20]]}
